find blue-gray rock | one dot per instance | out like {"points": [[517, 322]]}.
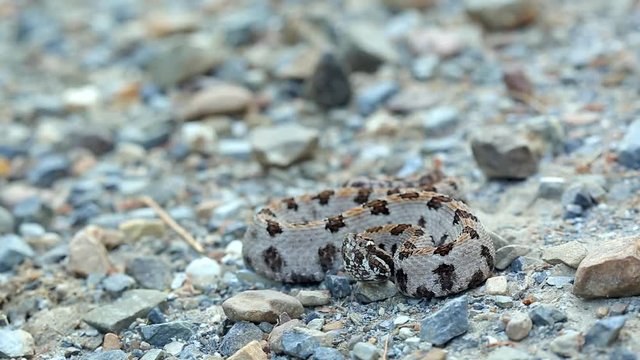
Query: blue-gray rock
{"points": [[240, 334], [150, 272], [243, 27], [629, 150], [543, 315], [369, 291], [604, 332], [162, 334], [326, 353], [108, 355], [450, 321], [560, 281], [156, 316], [7, 223], [365, 351], [147, 134], [16, 343], [623, 354], [299, 344], [338, 285], [329, 86], [48, 169], [372, 97], [13, 251], [118, 283], [440, 120], [423, 68], [32, 209], [118, 315], [585, 195]]}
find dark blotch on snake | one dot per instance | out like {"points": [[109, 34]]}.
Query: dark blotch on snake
{"points": [[334, 224], [291, 204], [324, 196], [422, 222], [476, 280], [446, 276], [423, 292], [363, 196], [273, 259], [472, 233], [326, 256], [399, 229], [443, 250], [401, 281], [378, 207], [273, 228], [409, 195], [486, 253]]}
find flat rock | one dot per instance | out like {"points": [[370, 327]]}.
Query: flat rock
{"points": [[162, 334], [545, 315], [13, 251], [326, 353], [509, 353], [7, 222], [108, 355], [261, 305], [300, 342], [367, 292], [570, 254], [502, 153], [283, 145], [450, 321], [251, 351], [222, 99], [178, 62], [506, 254], [604, 332], [135, 229], [314, 297], [132, 305], [501, 14], [612, 269], [16, 343], [150, 272], [87, 253], [629, 148]]}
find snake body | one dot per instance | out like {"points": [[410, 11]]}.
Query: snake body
{"points": [[428, 243]]}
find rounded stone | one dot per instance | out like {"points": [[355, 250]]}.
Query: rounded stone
{"points": [[203, 272], [261, 305], [519, 326]]}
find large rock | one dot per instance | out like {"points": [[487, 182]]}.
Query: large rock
{"points": [[502, 14], [87, 253], [16, 343], [612, 269], [502, 153], [119, 315], [629, 149], [450, 321], [261, 305], [283, 145], [221, 99]]}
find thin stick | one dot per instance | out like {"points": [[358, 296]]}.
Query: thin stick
{"points": [[164, 216], [386, 347]]}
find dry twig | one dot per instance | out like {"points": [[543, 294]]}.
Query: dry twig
{"points": [[164, 216]]}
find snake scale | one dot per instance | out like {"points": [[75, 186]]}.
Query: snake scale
{"points": [[413, 232]]}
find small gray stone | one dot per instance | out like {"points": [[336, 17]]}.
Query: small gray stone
{"points": [[629, 148], [32, 209], [108, 355], [503, 301], [559, 281], [440, 120], [314, 297], [518, 326], [203, 272], [178, 62], [153, 354], [261, 305], [543, 315], [240, 334], [365, 351], [506, 254], [283, 145], [118, 315], [48, 169], [508, 353], [501, 14], [326, 353], [150, 272], [329, 85], [87, 254], [13, 251], [551, 187], [570, 254], [502, 153], [299, 344], [367, 47], [423, 68], [367, 292], [118, 283], [338, 285], [450, 321], [162, 334], [567, 344], [583, 194], [275, 337], [7, 223], [604, 332], [16, 343], [370, 98]]}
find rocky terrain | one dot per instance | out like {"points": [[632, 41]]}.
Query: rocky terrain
{"points": [[139, 137]]}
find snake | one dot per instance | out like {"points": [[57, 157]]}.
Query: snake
{"points": [[418, 233]]}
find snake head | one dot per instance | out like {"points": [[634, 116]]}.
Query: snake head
{"points": [[365, 261]]}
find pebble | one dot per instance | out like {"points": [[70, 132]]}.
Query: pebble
{"points": [[178, 62], [240, 334], [551, 187], [174, 347], [518, 326], [87, 253], [629, 148], [7, 222], [545, 315], [367, 48], [251, 351], [154, 354], [503, 301], [583, 194], [374, 96], [261, 305], [450, 321], [326, 353], [163, 334], [111, 342], [13, 251], [440, 120], [283, 145], [150, 272], [109, 355], [517, 82], [570, 254], [314, 297], [424, 67], [365, 351], [48, 170], [502, 154], [222, 99], [609, 270], [507, 254], [16, 343], [275, 337], [120, 314], [300, 342], [32, 209], [508, 353], [117, 283], [203, 272], [329, 86], [199, 137], [567, 344], [605, 332], [496, 285], [559, 281], [136, 229], [501, 14], [368, 292]]}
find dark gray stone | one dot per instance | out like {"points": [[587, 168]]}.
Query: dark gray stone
{"points": [[543, 315], [13, 251], [374, 96], [329, 85], [450, 321], [585, 195], [240, 334], [299, 344], [108, 355], [162, 334], [629, 150], [338, 285], [604, 332], [119, 315], [48, 169], [367, 292], [32, 209], [326, 353], [150, 272], [118, 283]]}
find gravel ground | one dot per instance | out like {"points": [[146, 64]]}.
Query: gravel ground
{"points": [[140, 137]]}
